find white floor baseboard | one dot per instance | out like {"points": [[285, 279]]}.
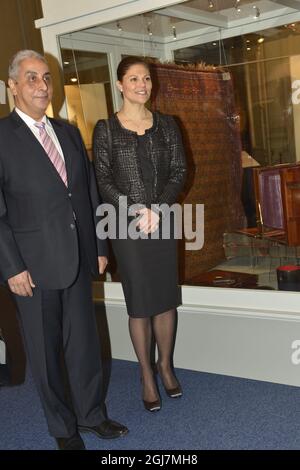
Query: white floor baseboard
{"points": [[243, 333]]}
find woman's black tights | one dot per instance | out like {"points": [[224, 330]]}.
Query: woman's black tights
{"points": [[162, 326]]}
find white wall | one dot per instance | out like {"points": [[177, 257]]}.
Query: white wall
{"points": [[242, 333]]}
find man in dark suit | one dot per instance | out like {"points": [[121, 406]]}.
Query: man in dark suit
{"points": [[48, 253]]}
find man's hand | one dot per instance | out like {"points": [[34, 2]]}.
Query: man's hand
{"points": [[149, 220], [102, 263], [21, 284]]}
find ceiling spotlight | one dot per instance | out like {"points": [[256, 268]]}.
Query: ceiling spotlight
{"points": [[237, 6], [149, 28], [66, 62], [260, 40], [119, 26], [73, 79], [174, 33], [256, 12], [211, 4]]}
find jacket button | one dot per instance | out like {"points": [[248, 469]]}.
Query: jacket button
{"points": [[72, 226]]}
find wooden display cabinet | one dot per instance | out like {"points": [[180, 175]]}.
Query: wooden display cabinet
{"points": [[277, 193]]}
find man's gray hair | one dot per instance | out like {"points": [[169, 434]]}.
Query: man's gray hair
{"points": [[13, 69]]}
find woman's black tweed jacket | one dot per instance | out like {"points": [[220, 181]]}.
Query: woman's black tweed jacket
{"points": [[118, 168]]}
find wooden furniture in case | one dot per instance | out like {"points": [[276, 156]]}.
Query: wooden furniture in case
{"points": [[277, 192]]}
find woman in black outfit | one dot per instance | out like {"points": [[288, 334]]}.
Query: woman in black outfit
{"points": [[140, 155]]}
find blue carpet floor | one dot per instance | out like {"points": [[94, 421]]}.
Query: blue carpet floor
{"points": [[216, 412]]}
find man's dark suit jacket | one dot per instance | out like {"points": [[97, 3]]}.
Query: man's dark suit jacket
{"points": [[37, 227]]}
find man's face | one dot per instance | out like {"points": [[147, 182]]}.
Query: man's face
{"points": [[32, 88]]}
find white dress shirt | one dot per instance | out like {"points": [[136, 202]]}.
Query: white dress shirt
{"points": [[48, 126]]}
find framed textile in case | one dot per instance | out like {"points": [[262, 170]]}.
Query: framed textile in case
{"points": [[201, 100]]}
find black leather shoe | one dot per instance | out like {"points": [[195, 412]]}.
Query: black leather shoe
{"points": [[70, 443], [108, 429]]}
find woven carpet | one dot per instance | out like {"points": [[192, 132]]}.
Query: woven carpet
{"points": [[202, 102], [215, 412]]}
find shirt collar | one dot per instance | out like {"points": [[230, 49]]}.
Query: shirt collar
{"points": [[28, 119]]}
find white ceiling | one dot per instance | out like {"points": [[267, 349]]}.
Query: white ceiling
{"points": [[196, 16]]}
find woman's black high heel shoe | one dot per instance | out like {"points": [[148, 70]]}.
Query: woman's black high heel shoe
{"points": [[175, 392], [152, 405]]}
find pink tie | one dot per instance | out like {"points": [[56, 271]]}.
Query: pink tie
{"points": [[52, 152]]}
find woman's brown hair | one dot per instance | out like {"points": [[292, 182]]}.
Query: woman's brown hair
{"points": [[127, 62]]}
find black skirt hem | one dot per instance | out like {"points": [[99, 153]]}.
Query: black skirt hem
{"points": [[161, 310]]}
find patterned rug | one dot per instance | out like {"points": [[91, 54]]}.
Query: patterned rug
{"points": [[202, 101]]}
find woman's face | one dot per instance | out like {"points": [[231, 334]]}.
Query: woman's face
{"points": [[136, 84]]}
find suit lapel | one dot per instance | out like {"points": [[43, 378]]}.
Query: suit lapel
{"points": [[31, 142]]}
